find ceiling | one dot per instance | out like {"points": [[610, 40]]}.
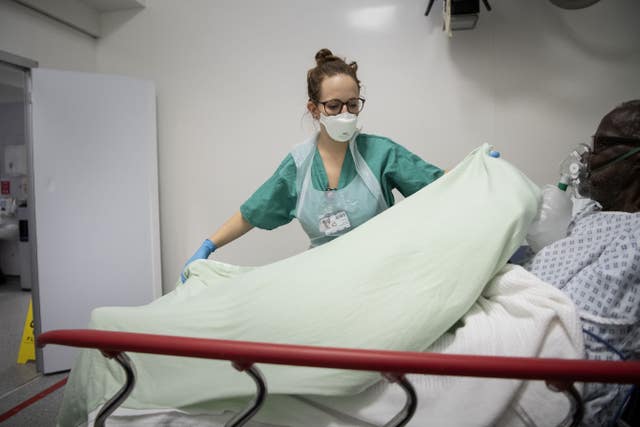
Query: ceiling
{"points": [[81, 15]]}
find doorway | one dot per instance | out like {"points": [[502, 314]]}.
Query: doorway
{"points": [[84, 147], [15, 246]]}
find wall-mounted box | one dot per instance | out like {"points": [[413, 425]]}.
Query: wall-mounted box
{"points": [[15, 160]]}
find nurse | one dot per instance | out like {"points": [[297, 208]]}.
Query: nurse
{"points": [[337, 179]]}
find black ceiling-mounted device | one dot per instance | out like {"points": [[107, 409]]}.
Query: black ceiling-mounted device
{"points": [[459, 14], [573, 4]]}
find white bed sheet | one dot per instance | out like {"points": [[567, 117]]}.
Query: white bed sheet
{"points": [[517, 315]]}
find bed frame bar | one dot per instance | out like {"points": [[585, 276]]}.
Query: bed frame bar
{"points": [[559, 374]]}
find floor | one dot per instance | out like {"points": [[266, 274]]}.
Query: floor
{"points": [[19, 382]]}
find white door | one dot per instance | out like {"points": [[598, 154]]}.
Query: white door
{"points": [[94, 157]]}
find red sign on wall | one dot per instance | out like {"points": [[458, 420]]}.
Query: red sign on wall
{"points": [[5, 187]]}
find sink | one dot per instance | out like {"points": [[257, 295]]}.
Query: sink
{"points": [[9, 229]]}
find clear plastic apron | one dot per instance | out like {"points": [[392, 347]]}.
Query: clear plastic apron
{"points": [[325, 215]]}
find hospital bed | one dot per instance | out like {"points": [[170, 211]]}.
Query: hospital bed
{"points": [[559, 374], [453, 320]]}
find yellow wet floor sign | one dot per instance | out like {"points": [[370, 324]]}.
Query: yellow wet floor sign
{"points": [[27, 345]]}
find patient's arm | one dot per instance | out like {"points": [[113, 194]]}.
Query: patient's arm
{"points": [[235, 227]]}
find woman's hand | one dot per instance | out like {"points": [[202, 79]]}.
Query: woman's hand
{"points": [[203, 252]]}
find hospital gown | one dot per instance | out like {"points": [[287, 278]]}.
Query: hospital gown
{"points": [[598, 266]]}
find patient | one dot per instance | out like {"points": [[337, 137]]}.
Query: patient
{"points": [[598, 264]]}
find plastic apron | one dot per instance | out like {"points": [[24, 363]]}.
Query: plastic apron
{"points": [[325, 215]]}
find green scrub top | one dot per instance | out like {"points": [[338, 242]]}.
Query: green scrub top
{"points": [[274, 203]]}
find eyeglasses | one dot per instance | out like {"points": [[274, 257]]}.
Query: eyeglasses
{"points": [[333, 107]]}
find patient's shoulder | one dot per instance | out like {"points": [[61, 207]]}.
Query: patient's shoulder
{"points": [[606, 223]]}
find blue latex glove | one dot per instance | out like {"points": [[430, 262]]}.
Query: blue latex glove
{"points": [[203, 252]]}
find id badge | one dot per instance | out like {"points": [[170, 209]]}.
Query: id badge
{"points": [[334, 223]]}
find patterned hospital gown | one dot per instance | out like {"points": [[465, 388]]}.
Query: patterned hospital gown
{"points": [[598, 266]]}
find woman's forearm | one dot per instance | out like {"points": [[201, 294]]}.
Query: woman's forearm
{"points": [[235, 227]]}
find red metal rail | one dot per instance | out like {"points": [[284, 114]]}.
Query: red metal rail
{"points": [[244, 353]]}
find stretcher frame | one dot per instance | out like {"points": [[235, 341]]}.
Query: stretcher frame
{"points": [[559, 374]]}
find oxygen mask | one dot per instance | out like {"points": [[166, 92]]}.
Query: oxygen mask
{"points": [[574, 171]]}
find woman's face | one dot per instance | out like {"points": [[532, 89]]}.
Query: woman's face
{"points": [[341, 87]]}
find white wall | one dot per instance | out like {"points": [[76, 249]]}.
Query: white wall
{"points": [[532, 79], [28, 34]]}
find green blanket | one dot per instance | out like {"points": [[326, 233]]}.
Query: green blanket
{"points": [[397, 282]]}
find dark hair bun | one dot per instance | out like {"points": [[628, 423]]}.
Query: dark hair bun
{"points": [[325, 55], [328, 65]]}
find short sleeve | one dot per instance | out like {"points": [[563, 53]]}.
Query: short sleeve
{"points": [[408, 172], [274, 203]]}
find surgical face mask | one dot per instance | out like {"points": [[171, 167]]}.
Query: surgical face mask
{"points": [[340, 127]]}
